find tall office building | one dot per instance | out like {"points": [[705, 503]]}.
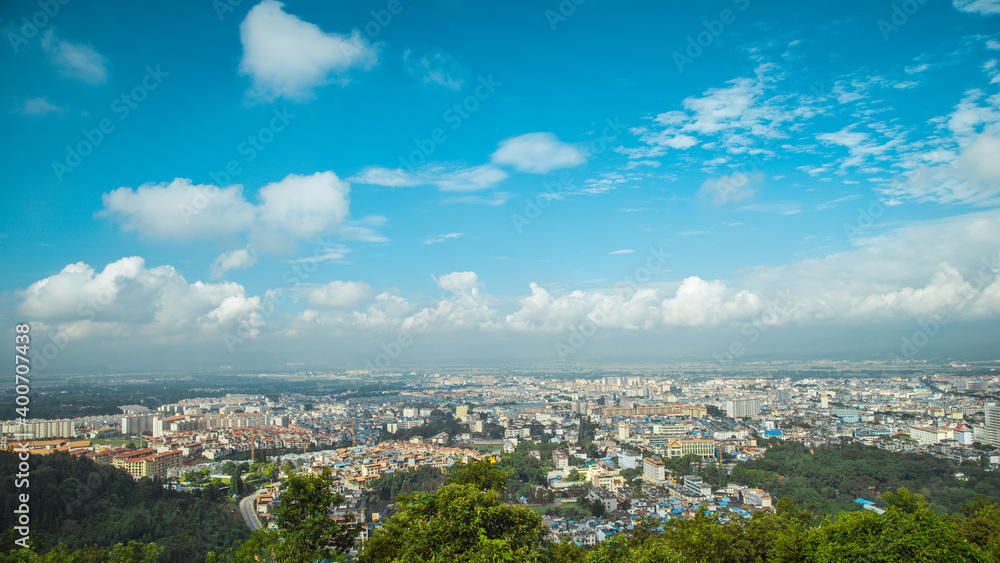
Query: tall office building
{"points": [[741, 408], [991, 429]]}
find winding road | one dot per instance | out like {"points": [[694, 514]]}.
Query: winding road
{"points": [[248, 511]]}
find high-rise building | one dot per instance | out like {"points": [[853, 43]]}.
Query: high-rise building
{"points": [[560, 459], [461, 410], [742, 408], [991, 429], [654, 470], [37, 428], [135, 425]]}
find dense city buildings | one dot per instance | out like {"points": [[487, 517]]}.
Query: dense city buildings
{"points": [[617, 438]]}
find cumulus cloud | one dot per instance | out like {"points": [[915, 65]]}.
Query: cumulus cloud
{"points": [[340, 295], [300, 207], [126, 298], [75, 60], [925, 270], [293, 209], [538, 153], [285, 56], [932, 270], [239, 259], [180, 210]]}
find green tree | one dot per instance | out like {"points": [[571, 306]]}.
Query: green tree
{"points": [[909, 531], [305, 531], [133, 552], [463, 521], [481, 473], [979, 524]]}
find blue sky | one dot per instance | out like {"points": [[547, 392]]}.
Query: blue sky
{"points": [[262, 183]]}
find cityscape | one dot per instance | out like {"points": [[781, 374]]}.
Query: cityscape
{"points": [[562, 281]]}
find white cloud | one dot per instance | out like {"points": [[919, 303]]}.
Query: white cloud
{"points": [[859, 145], [435, 67], [913, 273], [287, 57], [495, 199], [971, 177], [736, 116], [445, 178], [539, 153], [340, 295], [180, 210], [970, 115], [731, 188], [459, 282], [916, 272], [39, 106], [239, 259], [299, 208], [126, 298], [441, 238], [623, 251], [467, 311], [75, 60], [984, 7], [294, 209]]}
